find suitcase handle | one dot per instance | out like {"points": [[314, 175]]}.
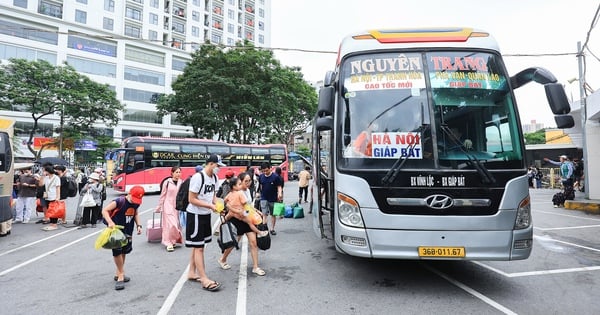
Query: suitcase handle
{"points": [[153, 214]]}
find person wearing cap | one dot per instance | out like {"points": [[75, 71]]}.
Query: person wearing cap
{"points": [[123, 211], [566, 170], [91, 214], [202, 200]]}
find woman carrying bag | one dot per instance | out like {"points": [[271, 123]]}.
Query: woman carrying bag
{"points": [[91, 202]]}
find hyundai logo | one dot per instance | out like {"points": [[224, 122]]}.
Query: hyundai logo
{"points": [[439, 202]]}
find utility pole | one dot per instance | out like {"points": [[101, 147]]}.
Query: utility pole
{"points": [[60, 137], [583, 112]]}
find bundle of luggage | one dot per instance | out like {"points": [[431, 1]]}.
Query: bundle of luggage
{"points": [[559, 198]]}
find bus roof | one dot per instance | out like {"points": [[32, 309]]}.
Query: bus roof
{"points": [[150, 139], [454, 37]]}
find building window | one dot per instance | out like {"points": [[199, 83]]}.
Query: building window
{"points": [[134, 14], [154, 3], [261, 25], [230, 14], [133, 31], [142, 116], [179, 27], [9, 51], [20, 3], [145, 56], [196, 16], [261, 39], [153, 19], [36, 33], [178, 43], [215, 38], [82, 1], [80, 16], [138, 1], [196, 2], [109, 5], [144, 76], [92, 67], [230, 41], [231, 2], [230, 28], [152, 35], [261, 12], [139, 96], [195, 31], [108, 24], [50, 8]]}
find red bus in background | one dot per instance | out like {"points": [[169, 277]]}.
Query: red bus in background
{"points": [[146, 161]]}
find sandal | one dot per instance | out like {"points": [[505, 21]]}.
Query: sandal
{"points": [[212, 286], [258, 271], [170, 248], [224, 265]]}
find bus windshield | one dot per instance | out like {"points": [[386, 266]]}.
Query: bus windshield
{"points": [[388, 114]]}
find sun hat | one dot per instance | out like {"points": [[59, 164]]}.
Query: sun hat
{"points": [[94, 176]]}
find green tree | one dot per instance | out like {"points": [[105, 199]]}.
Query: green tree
{"points": [[241, 95], [538, 137], [42, 89]]}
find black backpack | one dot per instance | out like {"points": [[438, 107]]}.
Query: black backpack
{"points": [[182, 201], [71, 186]]}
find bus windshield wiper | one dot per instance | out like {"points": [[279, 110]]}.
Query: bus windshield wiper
{"points": [[393, 172], [486, 176]]}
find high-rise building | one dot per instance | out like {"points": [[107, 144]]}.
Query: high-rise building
{"points": [[138, 47]]}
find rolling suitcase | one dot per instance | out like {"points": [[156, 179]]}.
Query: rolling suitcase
{"points": [[154, 229]]}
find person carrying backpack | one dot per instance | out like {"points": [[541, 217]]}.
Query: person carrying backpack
{"points": [[202, 201]]}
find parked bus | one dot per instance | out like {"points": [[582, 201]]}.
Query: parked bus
{"points": [[418, 151], [146, 161], [6, 169]]}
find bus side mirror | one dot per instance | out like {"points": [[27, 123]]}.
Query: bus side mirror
{"points": [[324, 123], [326, 101], [564, 121], [557, 98], [329, 78]]}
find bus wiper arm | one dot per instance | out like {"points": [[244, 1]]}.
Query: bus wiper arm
{"points": [[393, 172], [484, 173]]}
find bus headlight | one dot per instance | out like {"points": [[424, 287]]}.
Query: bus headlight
{"points": [[349, 211], [523, 219]]}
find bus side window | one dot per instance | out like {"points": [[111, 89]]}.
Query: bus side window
{"points": [[139, 165]]}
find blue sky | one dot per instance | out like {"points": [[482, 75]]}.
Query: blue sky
{"points": [[520, 27]]}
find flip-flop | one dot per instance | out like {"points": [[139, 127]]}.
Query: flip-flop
{"points": [[213, 286], [119, 285], [194, 279]]}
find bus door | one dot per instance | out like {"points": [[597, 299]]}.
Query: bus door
{"points": [[6, 170]]}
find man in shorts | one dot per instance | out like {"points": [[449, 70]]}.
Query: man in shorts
{"points": [[198, 232], [271, 191]]}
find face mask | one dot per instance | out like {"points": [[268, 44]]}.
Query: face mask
{"points": [[216, 170]]}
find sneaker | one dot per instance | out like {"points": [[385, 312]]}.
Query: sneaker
{"points": [[83, 226], [17, 221], [50, 228], [273, 232], [170, 248], [555, 206]]}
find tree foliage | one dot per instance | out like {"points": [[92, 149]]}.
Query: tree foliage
{"points": [[240, 95], [537, 137], [42, 89]]}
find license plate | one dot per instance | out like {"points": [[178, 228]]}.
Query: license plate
{"points": [[426, 251]]}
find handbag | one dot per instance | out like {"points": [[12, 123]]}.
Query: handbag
{"points": [[56, 209], [278, 209], [264, 242], [298, 212], [88, 200], [227, 235]]}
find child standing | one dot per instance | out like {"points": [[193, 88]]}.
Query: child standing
{"points": [[123, 211]]}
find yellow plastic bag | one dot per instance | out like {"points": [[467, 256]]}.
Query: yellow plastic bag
{"points": [[105, 235]]}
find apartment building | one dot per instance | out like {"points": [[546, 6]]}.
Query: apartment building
{"points": [[138, 47]]}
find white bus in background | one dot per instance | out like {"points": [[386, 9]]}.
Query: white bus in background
{"points": [[418, 151]]}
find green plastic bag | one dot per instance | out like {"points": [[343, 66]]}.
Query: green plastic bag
{"points": [[278, 209], [298, 212], [111, 238]]}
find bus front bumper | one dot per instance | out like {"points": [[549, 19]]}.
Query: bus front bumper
{"points": [[404, 244]]}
